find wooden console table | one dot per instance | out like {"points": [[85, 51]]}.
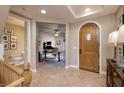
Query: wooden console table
{"points": [[115, 75]]}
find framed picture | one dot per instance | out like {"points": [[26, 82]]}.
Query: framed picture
{"points": [[13, 46], [13, 38], [6, 38], [6, 46], [8, 31]]}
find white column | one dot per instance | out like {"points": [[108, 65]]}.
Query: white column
{"points": [[28, 47], [1, 51], [33, 45]]}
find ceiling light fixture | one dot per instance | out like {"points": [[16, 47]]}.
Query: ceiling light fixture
{"points": [[43, 11], [56, 34], [87, 9]]}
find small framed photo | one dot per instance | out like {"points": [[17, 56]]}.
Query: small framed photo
{"points": [[58, 42], [6, 38], [13, 38], [6, 46], [8, 31], [13, 46]]}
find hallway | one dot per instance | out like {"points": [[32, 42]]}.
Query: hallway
{"points": [[55, 75]]}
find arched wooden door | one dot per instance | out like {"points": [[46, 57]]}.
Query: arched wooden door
{"points": [[89, 47]]}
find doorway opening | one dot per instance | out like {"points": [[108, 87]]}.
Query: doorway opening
{"points": [[89, 40], [51, 44], [15, 41]]}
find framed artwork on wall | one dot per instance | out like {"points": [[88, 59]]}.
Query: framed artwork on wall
{"points": [[13, 38], [6, 38], [6, 46], [10, 39], [13, 46], [8, 31]]}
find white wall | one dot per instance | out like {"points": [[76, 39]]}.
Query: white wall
{"points": [[4, 10], [107, 25]]}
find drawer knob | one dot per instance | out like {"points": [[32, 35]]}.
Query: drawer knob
{"points": [[115, 74]]}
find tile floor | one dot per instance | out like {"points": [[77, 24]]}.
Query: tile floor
{"points": [[53, 74]]}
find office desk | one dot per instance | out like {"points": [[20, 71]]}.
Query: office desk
{"points": [[52, 52]]}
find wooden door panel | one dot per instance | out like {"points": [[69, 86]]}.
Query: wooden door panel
{"points": [[89, 57]]}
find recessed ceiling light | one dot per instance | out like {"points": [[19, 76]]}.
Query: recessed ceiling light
{"points": [[43, 11], [87, 9]]}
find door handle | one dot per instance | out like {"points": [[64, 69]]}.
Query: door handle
{"points": [[80, 51]]}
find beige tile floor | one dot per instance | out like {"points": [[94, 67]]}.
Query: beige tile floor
{"points": [[51, 74]]}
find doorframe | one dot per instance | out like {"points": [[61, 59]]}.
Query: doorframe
{"points": [[28, 36], [100, 39], [66, 38]]}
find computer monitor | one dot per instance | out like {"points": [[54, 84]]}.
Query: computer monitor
{"points": [[48, 43]]}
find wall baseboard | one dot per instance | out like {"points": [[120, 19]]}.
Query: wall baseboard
{"points": [[77, 67], [71, 66], [103, 72], [66, 67]]}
